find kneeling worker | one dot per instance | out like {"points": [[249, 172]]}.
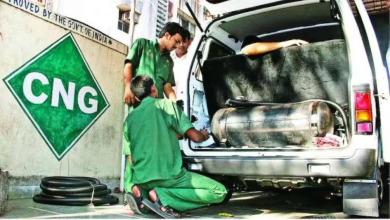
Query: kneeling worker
{"points": [[151, 131]]}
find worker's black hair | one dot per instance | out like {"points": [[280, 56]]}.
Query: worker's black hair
{"points": [[187, 35], [172, 28], [141, 86]]}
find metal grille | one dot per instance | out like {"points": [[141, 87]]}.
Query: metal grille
{"points": [[162, 15], [123, 26]]}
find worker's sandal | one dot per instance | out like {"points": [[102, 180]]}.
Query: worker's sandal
{"points": [[157, 208], [136, 204]]}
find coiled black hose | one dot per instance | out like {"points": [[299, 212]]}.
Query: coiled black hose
{"points": [[75, 191]]}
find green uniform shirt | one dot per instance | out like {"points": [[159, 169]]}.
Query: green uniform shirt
{"points": [[146, 59], [150, 132]]}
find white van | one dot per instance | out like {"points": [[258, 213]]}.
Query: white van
{"points": [[315, 115]]}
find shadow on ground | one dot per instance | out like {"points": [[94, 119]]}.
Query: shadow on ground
{"points": [[305, 203]]}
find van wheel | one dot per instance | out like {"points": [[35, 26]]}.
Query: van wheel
{"points": [[228, 196], [226, 199], [384, 183], [230, 189]]}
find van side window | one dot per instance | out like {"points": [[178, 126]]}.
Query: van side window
{"points": [[215, 49]]}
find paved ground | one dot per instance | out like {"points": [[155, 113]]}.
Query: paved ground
{"points": [[264, 205]]}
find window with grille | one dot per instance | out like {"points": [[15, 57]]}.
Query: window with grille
{"points": [[124, 21], [162, 15], [187, 25]]}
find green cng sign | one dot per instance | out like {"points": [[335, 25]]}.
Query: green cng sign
{"points": [[59, 94]]}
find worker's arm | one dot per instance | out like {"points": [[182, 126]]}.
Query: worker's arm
{"points": [[197, 136], [131, 64], [127, 76], [183, 126], [264, 47], [169, 83], [169, 92]]}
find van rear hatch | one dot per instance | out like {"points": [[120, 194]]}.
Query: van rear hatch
{"points": [[219, 7]]}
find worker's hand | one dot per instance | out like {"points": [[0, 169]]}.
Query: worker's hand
{"points": [[169, 92], [295, 42], [205, 134], [129, 97], [130, 160]]}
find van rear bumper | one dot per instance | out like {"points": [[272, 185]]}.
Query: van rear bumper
{"points": [[361, 164]]}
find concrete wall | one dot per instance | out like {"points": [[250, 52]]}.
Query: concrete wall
{"points": [[103, 16], [99, 14], [23, 152]]}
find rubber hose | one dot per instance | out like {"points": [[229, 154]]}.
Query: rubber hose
{"points": [[96, 194], [112, 200], [74, 191], [71, 190], [58, 181]]}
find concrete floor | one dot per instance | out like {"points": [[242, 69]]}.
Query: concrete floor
{"points": [[252, 205], [27, 208]]}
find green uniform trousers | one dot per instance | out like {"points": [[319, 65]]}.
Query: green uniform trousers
{"points": [[187, 191], [128, 185]]}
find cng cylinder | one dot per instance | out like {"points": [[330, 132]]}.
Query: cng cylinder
{"points": [[279, 125]]}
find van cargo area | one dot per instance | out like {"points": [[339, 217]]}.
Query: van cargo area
{"points": [[295, 97]]}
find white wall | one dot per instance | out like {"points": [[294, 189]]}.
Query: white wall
{"points": [[23, 151], [175, 6], [99, 14], [146, 27], [103, 16]]}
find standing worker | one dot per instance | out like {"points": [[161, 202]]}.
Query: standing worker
{"points": [[181, 67], [151, 130], [153, 59]]}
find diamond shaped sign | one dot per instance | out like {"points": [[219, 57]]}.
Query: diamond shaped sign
{"points": [[59, 93]]}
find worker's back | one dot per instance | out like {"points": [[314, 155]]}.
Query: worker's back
{"points": [[152, 133]]}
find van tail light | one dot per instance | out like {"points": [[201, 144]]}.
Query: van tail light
{"points": [[363, 113]]}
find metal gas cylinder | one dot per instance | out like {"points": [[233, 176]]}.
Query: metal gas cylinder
{"points": [[272, 125]]}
